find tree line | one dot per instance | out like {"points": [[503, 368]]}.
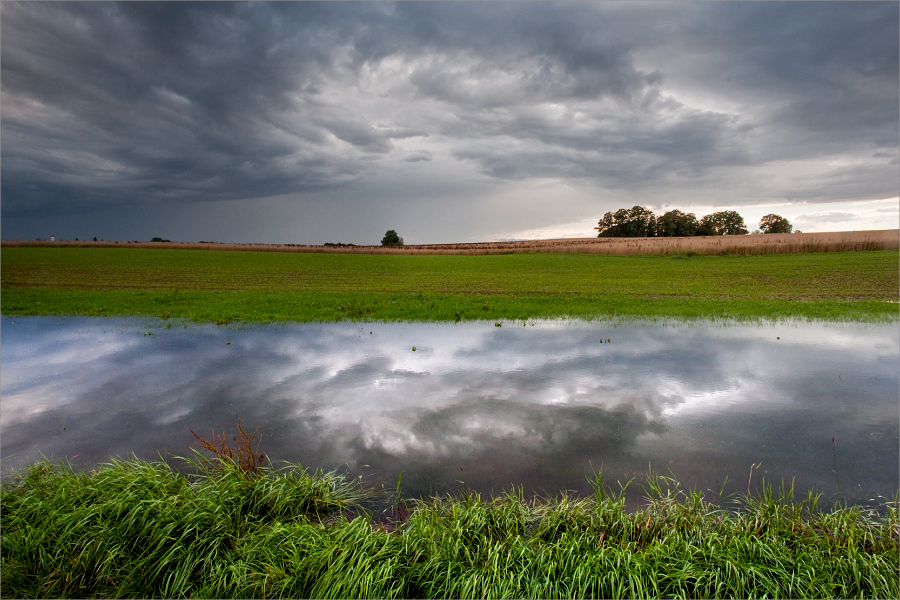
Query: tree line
{"points": [[641, 222]]}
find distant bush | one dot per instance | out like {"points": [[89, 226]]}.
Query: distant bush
{"points": [[775, 224], [727, 222], [627, 222], [677, 224], [391, 239]]}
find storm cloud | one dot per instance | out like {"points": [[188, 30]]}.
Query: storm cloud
{"points": [[320, 120]]}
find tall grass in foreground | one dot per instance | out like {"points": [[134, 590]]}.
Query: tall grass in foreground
{"points": [[132, 528]]}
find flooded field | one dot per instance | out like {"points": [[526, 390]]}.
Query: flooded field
{"points": [[471, 405]]}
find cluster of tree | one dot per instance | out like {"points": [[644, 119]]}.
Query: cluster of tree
{"points": [[641, 222], [338, 244]]}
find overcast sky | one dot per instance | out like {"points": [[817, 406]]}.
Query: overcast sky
{"points": [[323, 122]]}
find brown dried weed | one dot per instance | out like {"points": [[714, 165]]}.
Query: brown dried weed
{"points": [[244, 456]]}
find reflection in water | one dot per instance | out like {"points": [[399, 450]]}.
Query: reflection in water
{"points": [[539, 405]]}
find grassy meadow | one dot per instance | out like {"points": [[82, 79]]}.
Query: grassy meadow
{"points": [[228, 286], [132, 528]]}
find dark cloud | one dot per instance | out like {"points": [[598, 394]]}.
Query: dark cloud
{"points": [[419, 156], [144, 102], [113, 106]]}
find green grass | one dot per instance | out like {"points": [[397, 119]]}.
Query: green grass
{"points": [[260, 287], [140, 529]]}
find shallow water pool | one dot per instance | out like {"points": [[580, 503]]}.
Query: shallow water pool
{"points": [[475, 406]]}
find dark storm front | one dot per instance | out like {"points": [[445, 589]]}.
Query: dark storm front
{"points": [[471, 405]]}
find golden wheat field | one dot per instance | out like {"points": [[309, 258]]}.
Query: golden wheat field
{"points": [[837, 241]]}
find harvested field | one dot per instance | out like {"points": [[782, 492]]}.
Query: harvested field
{"points": [[787, 243]]}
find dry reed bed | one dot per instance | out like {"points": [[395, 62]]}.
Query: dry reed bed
{"points": [[840, 241]]}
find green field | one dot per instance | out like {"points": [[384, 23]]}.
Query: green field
{"points": [[223, 286], [132, 529]]}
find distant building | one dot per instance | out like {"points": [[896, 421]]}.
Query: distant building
{"points": [[52, 238]]}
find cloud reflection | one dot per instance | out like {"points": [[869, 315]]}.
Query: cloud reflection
{"points": [[537, 406]]}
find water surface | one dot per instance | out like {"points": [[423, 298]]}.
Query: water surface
{"points": [[538, 405]]}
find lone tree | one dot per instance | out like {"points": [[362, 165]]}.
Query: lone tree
{"points": [[627, 222], [391, 239], [677, 224], [727, 222], [775, 224]]}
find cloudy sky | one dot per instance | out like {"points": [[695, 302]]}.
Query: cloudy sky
{"points": [[323, 122]]}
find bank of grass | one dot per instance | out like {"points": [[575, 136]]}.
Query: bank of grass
{"points": [[262, 287], [132, 528]]}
